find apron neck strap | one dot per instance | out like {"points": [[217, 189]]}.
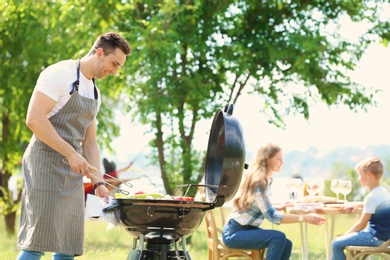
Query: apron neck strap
{"points": [[77, 82]]}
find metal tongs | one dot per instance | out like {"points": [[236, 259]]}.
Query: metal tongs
{"points": [[111, 177]]}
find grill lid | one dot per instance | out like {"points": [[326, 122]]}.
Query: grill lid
{"points": [[225, 158]]}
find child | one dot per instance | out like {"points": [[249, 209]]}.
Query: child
{"points": [[252, 205], [376, 211]]}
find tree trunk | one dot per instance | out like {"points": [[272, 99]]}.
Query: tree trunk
{"points": [[10, 220]]}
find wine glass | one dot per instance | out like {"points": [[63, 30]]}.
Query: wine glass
{"points": [[293, 185], [313, 187], [345, 188], [335, 185]]}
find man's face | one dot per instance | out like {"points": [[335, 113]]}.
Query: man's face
{"points": [[109, 64]]}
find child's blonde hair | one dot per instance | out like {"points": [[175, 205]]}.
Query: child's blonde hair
{"points": [[371, 164]]}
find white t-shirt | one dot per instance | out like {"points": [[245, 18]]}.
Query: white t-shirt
{"points": [[56, 82], [377, 203], [375, 198]]}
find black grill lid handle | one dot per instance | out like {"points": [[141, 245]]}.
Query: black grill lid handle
{"points": [[220, 201], [112, 208], [229, 109]]}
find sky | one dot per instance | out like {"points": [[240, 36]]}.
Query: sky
{"points": [[327, 128]]}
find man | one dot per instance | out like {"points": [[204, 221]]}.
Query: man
{"points": [[62, 116]]}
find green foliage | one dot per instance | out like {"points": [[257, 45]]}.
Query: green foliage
{"points": [[189, 58], [279, 43], [33, 35], [193, 57], [7, 204]]}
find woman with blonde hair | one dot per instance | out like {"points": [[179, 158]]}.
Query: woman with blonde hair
{"points": [[252, 205]]}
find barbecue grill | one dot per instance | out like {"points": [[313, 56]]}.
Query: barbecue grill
{"points": [[160, 225]]}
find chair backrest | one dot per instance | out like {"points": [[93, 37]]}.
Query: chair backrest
{"points": [[386, 245], [212, 235], [217, 249], [355, 252]]}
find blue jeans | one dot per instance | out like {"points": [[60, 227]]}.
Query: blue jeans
{"points": [[361, 238], [35, 255], [249, 237]]}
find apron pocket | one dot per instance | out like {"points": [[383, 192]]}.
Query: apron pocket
{"points": [[47, 171]]}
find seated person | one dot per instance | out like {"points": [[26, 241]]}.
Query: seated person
{"points": [[376, 211], [252, 205], [110, 170]]}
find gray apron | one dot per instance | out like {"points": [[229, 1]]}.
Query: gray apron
{"points": [[52, 205]]}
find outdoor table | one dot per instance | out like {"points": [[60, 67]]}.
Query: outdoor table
{"points": [[330, 215]]}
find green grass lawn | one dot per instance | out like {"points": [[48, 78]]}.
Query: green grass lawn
{"points": [[102, 244]]}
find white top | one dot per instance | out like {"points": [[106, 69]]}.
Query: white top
{"points": [[377, 202], [56, 82], [374, 199]]}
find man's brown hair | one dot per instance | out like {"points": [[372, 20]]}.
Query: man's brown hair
{"points": [[109, 42]]}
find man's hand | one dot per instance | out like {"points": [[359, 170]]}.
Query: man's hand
{"points": [[102, 192], [78, 164]]}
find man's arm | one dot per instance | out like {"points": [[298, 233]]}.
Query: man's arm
{"points": [[91, 150], [92, 155]]}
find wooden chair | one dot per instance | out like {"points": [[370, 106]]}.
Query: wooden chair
{"points": [[217, 250], [356, 252]]}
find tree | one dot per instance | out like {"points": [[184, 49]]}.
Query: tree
{"points": [[174, 80], [33, 35], [21, 33], [192, 57]]}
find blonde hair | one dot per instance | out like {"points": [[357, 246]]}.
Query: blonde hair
{"points": [[371, 164], [257, 176]]}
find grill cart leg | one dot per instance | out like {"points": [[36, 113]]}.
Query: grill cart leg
{"points": [[184, 245], [135, 254]]}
